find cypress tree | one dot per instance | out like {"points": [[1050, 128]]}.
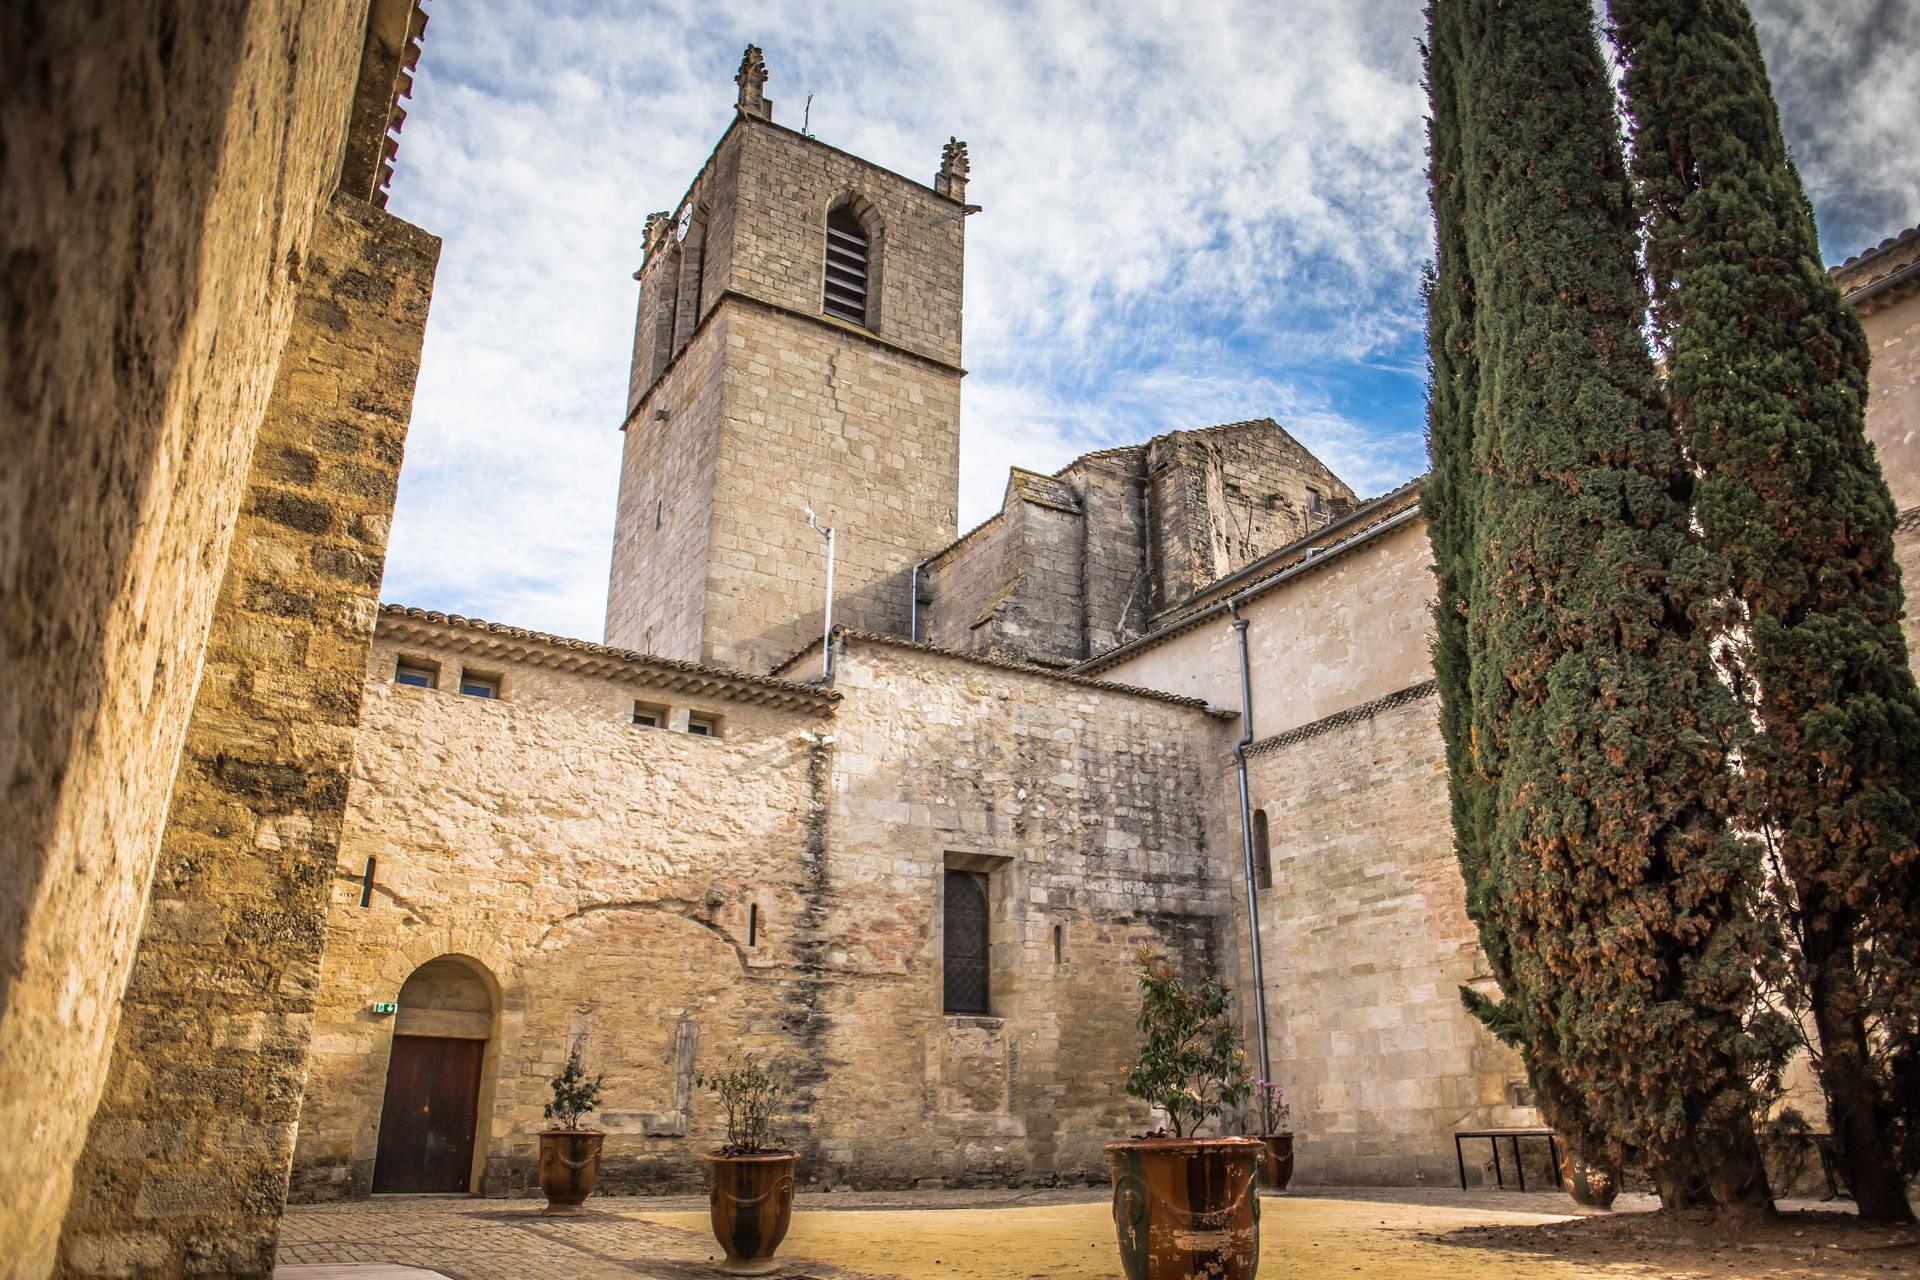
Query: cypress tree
{"points": [[1610, 873], [1446, 495], [1447, 501], [1768, 379]]}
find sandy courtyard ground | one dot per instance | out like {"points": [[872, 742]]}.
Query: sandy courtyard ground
{"points": [[1411, 1235]]}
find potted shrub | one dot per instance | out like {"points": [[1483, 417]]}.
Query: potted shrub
{"points": [[1185, 1205], [1276, 1134], [570, 1155], [750, 1181]]}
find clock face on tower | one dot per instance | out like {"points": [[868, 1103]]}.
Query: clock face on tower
{"points": [[685, 223]]}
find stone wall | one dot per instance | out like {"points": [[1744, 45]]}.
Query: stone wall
{"points": [[869, 438], [1219, 499], [663, 528], [1364, 931], [186, 1160], [1086, 809], [1350, 624], [789, 183], [789, 407], [163, 164], [1891, 318], [670, 903], [600, 872], [1366, 943]]}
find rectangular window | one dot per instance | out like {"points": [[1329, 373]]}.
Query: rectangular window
{"points": [[703, 726], [649, 715], [476, 685], [964, 943], [417, 672]]}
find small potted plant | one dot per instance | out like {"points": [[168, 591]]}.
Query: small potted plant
{"points": [[1276, 1134], [570, 1155], [1185, 1205], [750, 1181]]}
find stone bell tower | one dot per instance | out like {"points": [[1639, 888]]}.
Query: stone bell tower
{"points": [[798, 345]]}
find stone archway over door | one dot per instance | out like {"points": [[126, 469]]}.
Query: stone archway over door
{"points": [[432, 1107]]}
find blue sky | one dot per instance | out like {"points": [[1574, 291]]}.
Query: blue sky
{"points": [[1194, 212]]}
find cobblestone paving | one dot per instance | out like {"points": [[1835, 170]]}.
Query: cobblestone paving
{"points": [[467, 1239]]}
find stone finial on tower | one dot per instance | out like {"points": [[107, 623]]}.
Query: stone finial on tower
{"points": [[752, 79], [659, 230], [951, 181]]}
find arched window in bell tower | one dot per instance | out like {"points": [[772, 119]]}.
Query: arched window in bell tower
{"points": [[847, 251]]}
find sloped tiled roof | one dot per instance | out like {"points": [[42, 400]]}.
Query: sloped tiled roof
{"points": [[1003, 664], [1882, 274], [564, 652]]}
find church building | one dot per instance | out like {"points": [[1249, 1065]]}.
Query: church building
{"points": [[907, 858]]}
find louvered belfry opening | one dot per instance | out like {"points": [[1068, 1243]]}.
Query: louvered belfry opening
{"points": [[965, 943], [847, 248]]}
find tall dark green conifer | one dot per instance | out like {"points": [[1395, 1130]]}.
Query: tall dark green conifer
{"points": [[1610, 876], [1447, 496], [1768, 377], [1447, 500]]}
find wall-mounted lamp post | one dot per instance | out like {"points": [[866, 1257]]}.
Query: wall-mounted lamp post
{"points": [[826, 628]]}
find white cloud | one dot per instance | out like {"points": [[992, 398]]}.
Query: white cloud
{"points": [[1194, 212]]}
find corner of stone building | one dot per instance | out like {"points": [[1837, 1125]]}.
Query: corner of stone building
{"points": [[186, 1160], [152, 274]]}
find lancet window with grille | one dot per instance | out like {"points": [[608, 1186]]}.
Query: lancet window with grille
{"points": [[848, 247], [965, 943]]}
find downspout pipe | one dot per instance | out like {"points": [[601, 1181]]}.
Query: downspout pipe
{"points": [[913, 601], [1246, 837]]}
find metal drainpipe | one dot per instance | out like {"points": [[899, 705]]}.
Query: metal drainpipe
{"points": [[1246, 836], [913, 603]]}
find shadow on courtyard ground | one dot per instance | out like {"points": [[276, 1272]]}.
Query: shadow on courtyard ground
{"points": [[1415, 1234], [1804, 1242]]}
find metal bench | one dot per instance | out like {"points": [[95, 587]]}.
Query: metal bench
{"points": [[1495, 1137]]}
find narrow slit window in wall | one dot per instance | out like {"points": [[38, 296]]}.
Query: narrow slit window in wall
{"points": [[964, 943], [1262, 852], [753, 925], [366, 885], [846, 277], [1059, 943]]}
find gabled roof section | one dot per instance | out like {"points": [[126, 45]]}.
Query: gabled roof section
{"points": [[537, 648]]}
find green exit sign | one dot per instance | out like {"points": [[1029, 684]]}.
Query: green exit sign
{"points": [[386, 1006]]}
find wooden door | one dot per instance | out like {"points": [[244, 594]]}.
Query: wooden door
{"points": [[426, 1126]]}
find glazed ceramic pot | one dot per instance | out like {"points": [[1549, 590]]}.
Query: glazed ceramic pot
{"points": [[1186, 1207], [1590, 1186], [1276, 1162], [569, 1166], [751, 1200]]}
